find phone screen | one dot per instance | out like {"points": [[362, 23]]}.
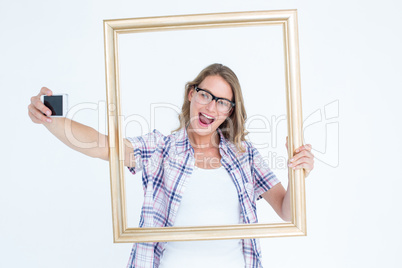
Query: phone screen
{"points": [[55, 104]]}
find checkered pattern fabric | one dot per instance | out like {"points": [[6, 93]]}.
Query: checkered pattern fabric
{"points": [[167, 162]]}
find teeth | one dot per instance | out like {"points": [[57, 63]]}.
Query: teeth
{"points": [[207, 116]]}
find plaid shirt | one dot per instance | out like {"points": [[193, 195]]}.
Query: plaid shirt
{"points": [[167, 162]]}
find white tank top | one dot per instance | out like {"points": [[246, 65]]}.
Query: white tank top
{"points": [[210, 198]]}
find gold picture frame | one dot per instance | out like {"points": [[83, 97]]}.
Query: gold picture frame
{"points": [[112, 29]]}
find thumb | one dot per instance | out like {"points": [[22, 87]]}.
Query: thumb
{"points": [[286, 142]]}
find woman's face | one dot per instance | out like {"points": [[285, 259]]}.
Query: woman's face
{"points": [[205, 118]]}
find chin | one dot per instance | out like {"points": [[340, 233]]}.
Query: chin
{"points": [[203, 131]]}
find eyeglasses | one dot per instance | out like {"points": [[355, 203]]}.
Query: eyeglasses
{"points": [[204, 97]]}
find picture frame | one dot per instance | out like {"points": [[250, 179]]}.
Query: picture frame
{"points": [[113, 29]]}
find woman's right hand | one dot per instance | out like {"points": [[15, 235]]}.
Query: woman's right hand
{"points": [[77, 136], [37, 111]]}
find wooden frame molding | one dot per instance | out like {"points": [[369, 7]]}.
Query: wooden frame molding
{"points": [[112, 30]]}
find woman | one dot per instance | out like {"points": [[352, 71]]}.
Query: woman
{"points": [[205, 173]]}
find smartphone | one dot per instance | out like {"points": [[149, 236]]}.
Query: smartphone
{"points": [[58, 104]]}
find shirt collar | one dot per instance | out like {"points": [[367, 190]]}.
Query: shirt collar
{"points": [[183, 142]]}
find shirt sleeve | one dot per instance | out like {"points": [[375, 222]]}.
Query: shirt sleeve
{"points": [[264, 178], [143, 148]]}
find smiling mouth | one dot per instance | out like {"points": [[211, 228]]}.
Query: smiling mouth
{"points": [[205, 120]]}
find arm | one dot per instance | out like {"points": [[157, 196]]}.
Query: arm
{"points": [[277, 197], [77, 136]]}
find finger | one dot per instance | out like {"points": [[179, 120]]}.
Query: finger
{"points": [[306, 166], [38, 115], [301, 160], [299, 166], [33, 118], [45, 91], [302, 154], [38, 104], [306, 169], [307, 147], [304, 159]]}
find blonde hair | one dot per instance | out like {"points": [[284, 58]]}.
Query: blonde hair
{"points": [[233, 127]]}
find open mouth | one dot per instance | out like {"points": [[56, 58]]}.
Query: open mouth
{"points": [[205, 120]]}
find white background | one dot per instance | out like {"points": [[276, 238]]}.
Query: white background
{"points": [[55, 203], [162, 62]]}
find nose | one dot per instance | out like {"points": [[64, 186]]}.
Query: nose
{"points": [[211, 106]]}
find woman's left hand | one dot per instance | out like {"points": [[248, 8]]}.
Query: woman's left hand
{"points": [[302, 158]]}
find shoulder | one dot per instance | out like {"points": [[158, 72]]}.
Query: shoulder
{"points": [[155, 134], [248, 145], [152, 139], [248, 149], [164, 140], [168, 141]]}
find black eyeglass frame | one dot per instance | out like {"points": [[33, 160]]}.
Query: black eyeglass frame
{"points": [[214, 97]]}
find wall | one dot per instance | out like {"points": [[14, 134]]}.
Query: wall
{"points": [[55, 203]]}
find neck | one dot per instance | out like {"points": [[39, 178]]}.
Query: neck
{"points": [[203, 141]]}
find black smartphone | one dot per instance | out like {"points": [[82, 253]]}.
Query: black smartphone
{"points": [[57, 104]]}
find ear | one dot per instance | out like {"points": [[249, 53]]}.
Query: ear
{"points": [[231, 111], [191, 94]]}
